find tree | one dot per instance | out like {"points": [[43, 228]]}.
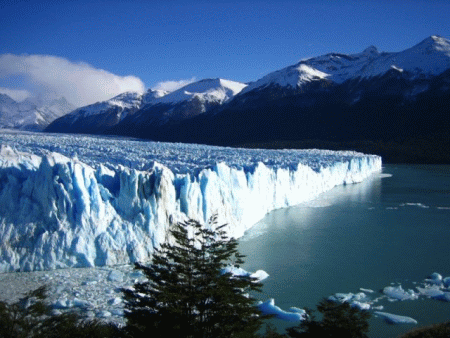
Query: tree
{"points": [[187, 294], [441, 330], [30, 318], [338, 320]]}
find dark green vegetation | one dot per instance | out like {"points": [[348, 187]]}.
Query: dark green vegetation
{"points": [[31, 318], [338, 320], [188, 295], [441, 330]]}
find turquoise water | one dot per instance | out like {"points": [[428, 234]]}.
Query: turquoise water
{"points": [[392, 228]]}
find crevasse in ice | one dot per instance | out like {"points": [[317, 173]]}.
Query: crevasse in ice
{"points": [[58, 211]]}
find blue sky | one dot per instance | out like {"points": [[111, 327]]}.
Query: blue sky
{"points": [[159, 41]]}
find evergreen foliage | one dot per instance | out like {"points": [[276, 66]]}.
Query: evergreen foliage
{"points": [[187, 294], [31, 317], [338, 320], [441, 330]]}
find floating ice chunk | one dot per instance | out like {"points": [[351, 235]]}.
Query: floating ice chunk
{"points": [[260, 275], [397, 293], [268, 307], [103, 314], [359, 300], [366, 290], [117, 312], [80, 303], [89, 282], [235, 271], [435, 292], [61, 304], [115, 301], [115, 276], [361, 306], [341, 297], [395, 319], [446, 282], [420, 205], [349, 297], [435, 278]]}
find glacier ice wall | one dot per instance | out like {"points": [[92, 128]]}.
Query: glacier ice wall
{"points": [[58, 212]]}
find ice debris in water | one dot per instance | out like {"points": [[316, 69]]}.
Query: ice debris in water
{"points": [[397, 293], [293, 315], [260, 275], [395, 319]]}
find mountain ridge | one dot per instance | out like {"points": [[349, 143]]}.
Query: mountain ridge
{"points": [[371, 95]]}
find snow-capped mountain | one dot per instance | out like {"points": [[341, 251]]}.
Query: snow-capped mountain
{"points": [[370, 95], [187, 102], [97, 117], [430, 57], [32, 113], [156, 107], [206, 91]]}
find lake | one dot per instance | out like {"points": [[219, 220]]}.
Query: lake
{"points": [[392, 229]]}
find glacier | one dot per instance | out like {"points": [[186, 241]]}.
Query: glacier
{"points": [[84, 201]]}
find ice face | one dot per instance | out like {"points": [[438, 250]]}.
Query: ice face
{"points": [[73, 201]]}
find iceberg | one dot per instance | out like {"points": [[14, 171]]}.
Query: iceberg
{"points": [[269, 308], [395, 319], [79, 201], [397, 293]]}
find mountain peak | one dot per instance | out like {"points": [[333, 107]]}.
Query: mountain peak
{"points": [[434, 43], [206, 90], [371, 50]]}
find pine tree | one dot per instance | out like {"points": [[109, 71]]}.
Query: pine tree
{"points": [[338, 320], [187, 294]]}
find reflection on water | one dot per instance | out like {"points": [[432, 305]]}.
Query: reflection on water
{"points": [[391, 228]]}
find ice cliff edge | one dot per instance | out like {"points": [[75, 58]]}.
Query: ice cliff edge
{"points": [[58, 212]]}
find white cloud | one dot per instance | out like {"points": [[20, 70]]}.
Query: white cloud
{"points": [[171, 86], [16, 94], [80, 83]]}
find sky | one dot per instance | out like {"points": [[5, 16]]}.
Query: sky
{"points": [[90, 51]]}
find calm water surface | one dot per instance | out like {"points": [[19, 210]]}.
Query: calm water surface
{"points": [[392, 228]]}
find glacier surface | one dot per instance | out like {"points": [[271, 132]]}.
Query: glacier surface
{"points": [[84, 201]]}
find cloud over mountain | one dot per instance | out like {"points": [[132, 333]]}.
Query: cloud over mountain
{"points": [[16, 94], [80, 83], [170, 86]]}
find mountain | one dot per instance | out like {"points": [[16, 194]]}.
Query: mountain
{"points": [[175, 108], [132, 111], [32, 113], [97, 117], [393, 104], [370, 96], [429, 58]]}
